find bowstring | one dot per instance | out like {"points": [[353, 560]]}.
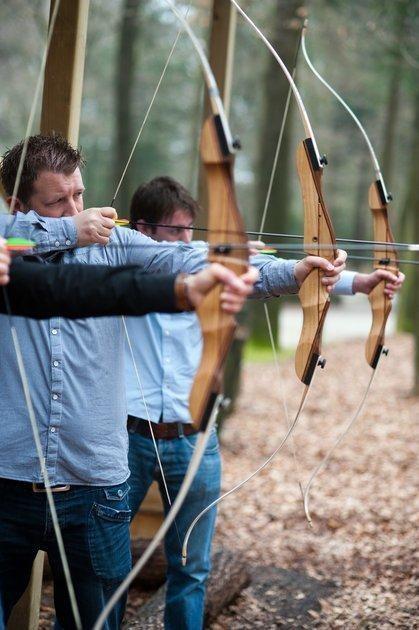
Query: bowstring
{"points": [[261, 229], [125, 328], [17, 345], [289, 425]]}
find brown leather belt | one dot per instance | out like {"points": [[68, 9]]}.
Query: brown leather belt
{"points": [[161, 430], [34, 487]]}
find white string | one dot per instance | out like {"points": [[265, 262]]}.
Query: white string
{"points": [[194, 463], [304, 117], [150, 105], [249, 477], [372, 153], [17, 347], [325, 460]]}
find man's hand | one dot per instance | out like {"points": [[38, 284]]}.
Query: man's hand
{"points": [[95, 225], [236, 288], [332, 271], [366, 282], [4, 263]]}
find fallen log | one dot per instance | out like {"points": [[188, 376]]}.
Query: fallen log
{"points": [[153, 574], [229, 576]]}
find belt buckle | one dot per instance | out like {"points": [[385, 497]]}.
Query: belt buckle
{"points": [[40, 487], [180, 431]]}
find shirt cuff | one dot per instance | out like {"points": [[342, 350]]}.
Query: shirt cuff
{"points": [[345, 284], [276, 276], [62, 232]]}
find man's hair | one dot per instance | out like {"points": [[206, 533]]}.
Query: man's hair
{"points": [[43, 153], [157, 200]]}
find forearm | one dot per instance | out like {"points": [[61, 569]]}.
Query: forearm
{"points": [[47, 233], [77, 291]]}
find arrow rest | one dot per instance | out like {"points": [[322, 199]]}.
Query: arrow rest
{"points": [[321, 362]]}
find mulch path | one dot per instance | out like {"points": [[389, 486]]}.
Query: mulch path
{"points": [[357, 567]]}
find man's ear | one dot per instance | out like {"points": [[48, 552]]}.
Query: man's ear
{"points": [[16, 203]]}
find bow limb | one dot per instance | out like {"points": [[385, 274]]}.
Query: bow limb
{"points": [[385, 257], [317, 230], [314, 298], [226, 228]]}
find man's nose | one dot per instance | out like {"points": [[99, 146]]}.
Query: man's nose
{"points": [[187, 236], [71, 208]]}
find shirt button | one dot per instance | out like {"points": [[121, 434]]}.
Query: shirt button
{"points": [[68, 242], [120, 493], [55, 397], [52, 429], [167, 332], [54, 331], [56, 363], [57, 243]]}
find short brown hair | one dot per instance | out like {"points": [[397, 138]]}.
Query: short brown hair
{"points": [[158, 199], [44, 153]]}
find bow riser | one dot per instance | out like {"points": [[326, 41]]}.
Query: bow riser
{"points": [[224, 219], [313, 296], [384, 258]]}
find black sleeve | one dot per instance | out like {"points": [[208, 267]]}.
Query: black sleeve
{"points": [[75, 291]]}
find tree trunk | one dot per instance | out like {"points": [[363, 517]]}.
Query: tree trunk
{"points": [[394, 85], [409, 310], [285, 34], [124, 81], [229, 576]]}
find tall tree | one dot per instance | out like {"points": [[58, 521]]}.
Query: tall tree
{"points": [[409, 312], [286, 26], [397, 63], [124, 82]]}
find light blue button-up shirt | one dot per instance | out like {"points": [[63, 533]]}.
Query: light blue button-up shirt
{"points": [[167, 351], [76, 367]]}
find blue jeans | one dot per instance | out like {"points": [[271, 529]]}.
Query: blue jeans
{"points": [[185, 595], [94, 522]]}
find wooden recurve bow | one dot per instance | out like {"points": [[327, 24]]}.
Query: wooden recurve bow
{"points": [[228, 245], [385, 257]]}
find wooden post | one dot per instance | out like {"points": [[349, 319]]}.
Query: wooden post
{"points": [[221, 56], [61, 104], [61, 100], [25, 615]]}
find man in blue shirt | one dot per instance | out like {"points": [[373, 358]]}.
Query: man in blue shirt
{"points": [[167, 350], [75, 371], [76, 378]]}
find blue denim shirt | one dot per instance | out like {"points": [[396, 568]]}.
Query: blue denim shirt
{"points": [[76, 368], [167, 352]]}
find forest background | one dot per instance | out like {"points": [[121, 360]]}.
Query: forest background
{"points": [[366, 50]]}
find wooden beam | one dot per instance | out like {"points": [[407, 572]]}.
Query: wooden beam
{"points": [[221, 57], [25, 615], [61, 101], [61, 105], [221, 49]]}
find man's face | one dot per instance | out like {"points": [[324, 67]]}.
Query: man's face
{"points": [[182, 232], [56, 195]]}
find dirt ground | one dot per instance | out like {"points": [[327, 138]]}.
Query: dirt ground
{"points": [[357, 567]]}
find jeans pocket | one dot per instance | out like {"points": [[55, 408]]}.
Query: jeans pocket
{"points": [[109, 542], [213, 445]]}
